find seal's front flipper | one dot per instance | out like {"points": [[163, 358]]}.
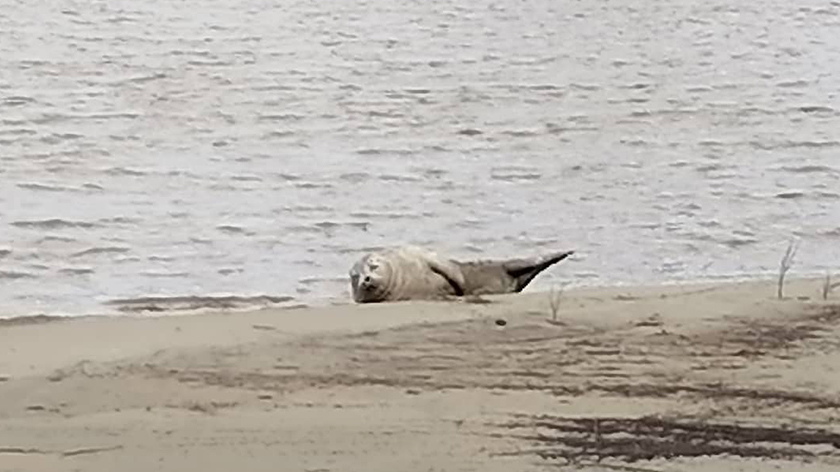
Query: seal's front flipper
{"points": [[451, 273], [523, 271]]}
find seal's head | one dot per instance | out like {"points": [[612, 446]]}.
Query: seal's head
{"points": [[369, 279]]}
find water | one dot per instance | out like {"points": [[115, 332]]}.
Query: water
{"points": [[198, 147]]}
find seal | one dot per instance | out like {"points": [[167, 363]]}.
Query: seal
{"points": [[404, 273], [413, 273]]}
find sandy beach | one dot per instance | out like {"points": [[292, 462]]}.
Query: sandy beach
{"points": [[683, 378]]}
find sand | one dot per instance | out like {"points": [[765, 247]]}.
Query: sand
{"points": [[678, 378]]}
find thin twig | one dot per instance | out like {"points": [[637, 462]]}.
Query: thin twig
{"points": [[826, 286], [555, 296], [785, 265]]}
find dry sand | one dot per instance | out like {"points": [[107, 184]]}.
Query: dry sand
{"points": [[682, 378]]}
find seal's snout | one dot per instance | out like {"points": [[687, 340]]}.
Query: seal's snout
{"points": [[369, 283]]}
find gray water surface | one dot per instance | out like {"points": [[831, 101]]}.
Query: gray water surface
{"points": [[199, 147]]}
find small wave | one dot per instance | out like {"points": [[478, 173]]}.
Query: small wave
{"points": [[157, 258], [125, 171], [319, 280], [285, 177], [328, 225], [106, 116], [815, 109], [246, 178], [788, 144], [738, 242], [379, 152], [121, 220], [38, 186], [354, 177], [398, 178], [233, 229], [312, 185], [281, 117], [360, 250], [385, 114], [76, 271], [298, 209], [5, 252], [792, 84], [809, 169], [698, 88], [521, 133], [142, 79], [195, 302], [101, 250], [53, 223], [376, 215], [586, 87], [473, 249], [56, 238], [161, 274], [515, 176], [15, 274], [469, 223], [832, 233], [18, 132], [16, 101], [790, 195], [470, 132]]}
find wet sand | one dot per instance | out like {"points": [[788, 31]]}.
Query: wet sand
{"points": [[690, 377]]}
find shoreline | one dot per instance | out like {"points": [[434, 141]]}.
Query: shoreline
{"points": [[167, 305], [413, 385]]}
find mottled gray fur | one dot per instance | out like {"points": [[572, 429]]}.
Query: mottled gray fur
{"points": [[412, 273]]}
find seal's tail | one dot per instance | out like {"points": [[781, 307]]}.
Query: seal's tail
{"points": [[523, 271]]}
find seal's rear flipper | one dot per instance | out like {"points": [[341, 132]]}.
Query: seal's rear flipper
{"points": [[523, 271]]}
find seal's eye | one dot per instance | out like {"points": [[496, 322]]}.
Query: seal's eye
{"points": [[373, 266], [367, 279]]}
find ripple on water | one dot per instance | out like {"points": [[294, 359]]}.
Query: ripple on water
{"points": [[37, 186], [515, 173], [76, 270], [234, 230], [53, 223], [120, 220], [809, 169], [398, 178], [101, 250], [385, 152], [791, 195], [125, 171], [329, 225], [164, 274], [816, 109], [15, 274], [736, 242]]}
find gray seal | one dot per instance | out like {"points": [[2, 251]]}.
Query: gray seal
{"points": [[413, 273]]}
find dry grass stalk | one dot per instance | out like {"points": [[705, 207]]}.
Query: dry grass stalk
{"points": [[785, 265], [555, 296]]}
